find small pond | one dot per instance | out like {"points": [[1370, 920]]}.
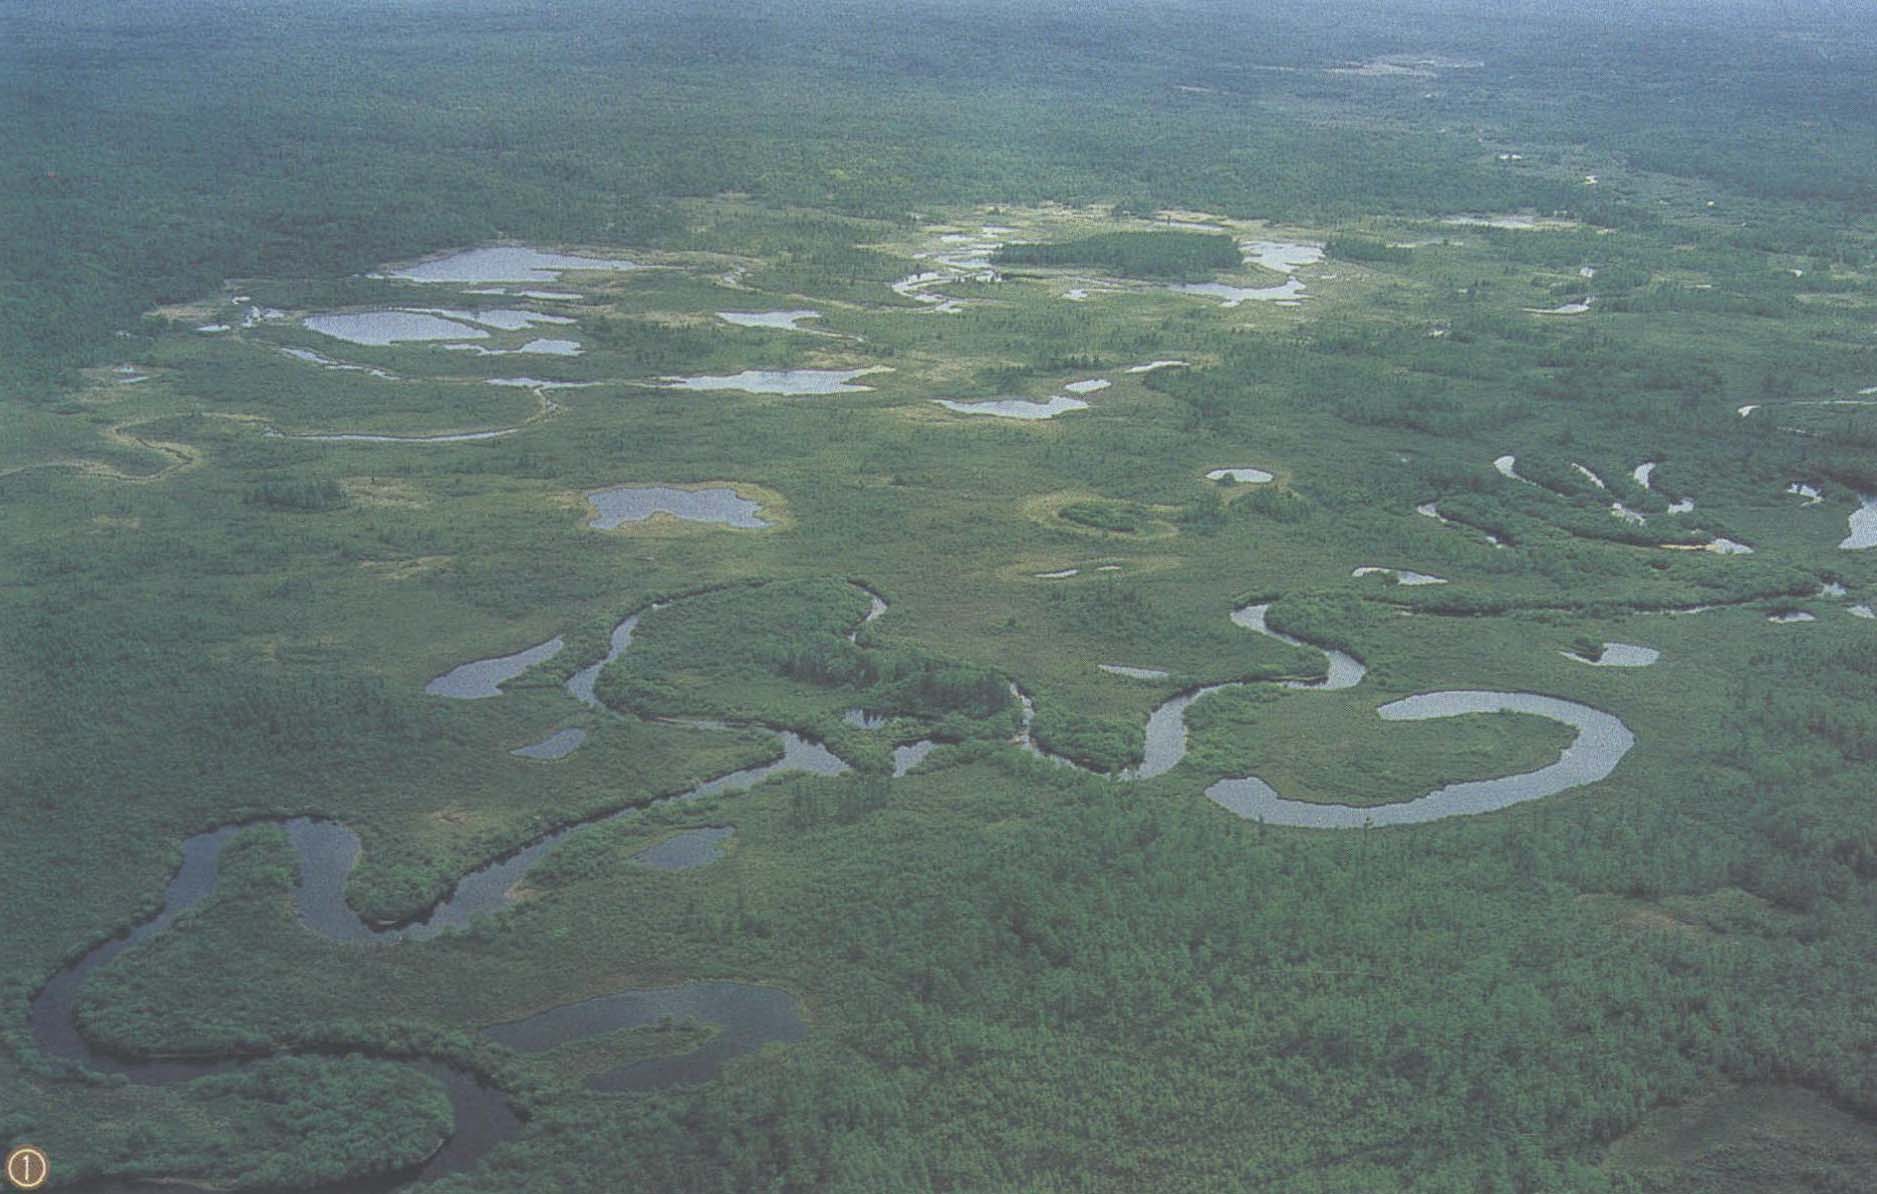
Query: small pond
{"points": [[381, 328], [793, 382], [686, 850], [1618, 655], [1863, 526], [1232, 296], [906, 757], [614, 507], [1283, 257], [502, 263], [540, 347], [1403, 576], [1015, 408], [1244, 476], [782, 320], [557, 745], [1567, 309]]}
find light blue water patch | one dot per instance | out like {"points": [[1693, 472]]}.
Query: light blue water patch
{"points": [[792, 382], [629, 503], [1132, 673], [503, 263], [543, 347], [1016, 408], [381, 328], [1602, 741], [1345, 670], [1403, 576], [557, 745], [1618, 655], [906, 757], [1232, 296], [506, 319], [781, 320], [484, 678], [686, 850], [1863, 526], [580, 684], [1284, 257]]}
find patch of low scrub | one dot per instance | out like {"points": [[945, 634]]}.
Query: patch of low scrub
{"points": [[1125, 518], [303, 496], [1365, 249], [1176, 255]]}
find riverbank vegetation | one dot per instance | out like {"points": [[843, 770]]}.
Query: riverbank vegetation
{"points": [[1015, 974]]}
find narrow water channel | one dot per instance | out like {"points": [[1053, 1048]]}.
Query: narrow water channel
{"points": [[746, 1016]]}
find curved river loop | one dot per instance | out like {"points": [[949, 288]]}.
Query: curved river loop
{"points": [[1602, 741]]}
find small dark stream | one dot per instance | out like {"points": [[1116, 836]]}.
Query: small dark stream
{"points": [[327, 852]]}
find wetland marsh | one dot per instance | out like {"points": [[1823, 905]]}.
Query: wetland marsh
{"points": [[1005, 633]]}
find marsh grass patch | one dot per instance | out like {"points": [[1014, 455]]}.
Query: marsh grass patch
{"points": [[1080, 512]]}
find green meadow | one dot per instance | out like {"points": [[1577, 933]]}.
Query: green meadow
{"points": [[234, 561]]}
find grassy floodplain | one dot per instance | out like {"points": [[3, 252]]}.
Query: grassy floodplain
{"points": [[1358, 252]]}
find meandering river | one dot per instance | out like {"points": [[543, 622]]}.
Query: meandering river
{"points": [[747, 1016], [1602, 741]]}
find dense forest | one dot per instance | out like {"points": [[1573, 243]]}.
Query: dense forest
{"points": [[812, 638], [127, 191]]}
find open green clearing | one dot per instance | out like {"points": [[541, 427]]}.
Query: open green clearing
{"points": [[1015, 975]]}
